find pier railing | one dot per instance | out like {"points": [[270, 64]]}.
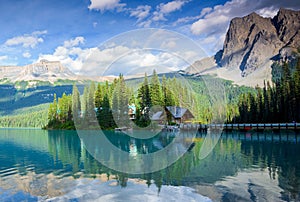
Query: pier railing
{"points": [[242, 126]]}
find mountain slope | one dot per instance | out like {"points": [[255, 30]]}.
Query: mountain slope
{"points": [[44, 71], [251, 45], [41, 71]]}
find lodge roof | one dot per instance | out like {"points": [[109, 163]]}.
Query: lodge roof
{"points": [[178, 112]]}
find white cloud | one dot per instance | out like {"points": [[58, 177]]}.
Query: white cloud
{"points": [[267, 12], [70, 54], [141, 12], [26, 55], [103, 5], [36, 33], [171, 6], [74, 42], [169, 44], [145, 24], [161, 12], [86, 61], [27, 40], [128, 53], [115, 60], [158, 16], [185, 20], [164, 9], [207, 27], [141, 61], [3, 57]]}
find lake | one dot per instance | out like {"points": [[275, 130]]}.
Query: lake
{"points": [[39, 165]]}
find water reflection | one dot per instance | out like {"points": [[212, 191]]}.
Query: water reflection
{"points": [[242, 166]]}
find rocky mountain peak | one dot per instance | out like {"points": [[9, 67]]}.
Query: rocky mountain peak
{"points": [[252, 44], [43, 70], [287, 23], [247, 40]]}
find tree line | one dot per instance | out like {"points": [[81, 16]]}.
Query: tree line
{"points": [[37, 119], [277, 102], [109, 103]]}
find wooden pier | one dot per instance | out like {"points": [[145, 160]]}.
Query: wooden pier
{"points": [[258, 136], [242, 127]]}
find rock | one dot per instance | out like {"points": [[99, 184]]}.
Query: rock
{"points": [[287, 23], [42, 71], [252, 43], [201, 65]]}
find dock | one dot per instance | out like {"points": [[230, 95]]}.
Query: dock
{"points": [[241, 126]]}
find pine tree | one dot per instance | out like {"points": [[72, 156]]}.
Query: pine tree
{"points": [[168, 97], [105, 117], [52, 112], [84, 102], [155, 90], [90, 111], [64, 106], [76, 105], [98, 97], [144, 100], [297, 89]]}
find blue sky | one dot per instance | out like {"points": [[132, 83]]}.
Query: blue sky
{"points": [[69, 30]]}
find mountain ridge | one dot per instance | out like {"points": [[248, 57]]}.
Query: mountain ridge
{"points": [[251, 46], [44, 70]]}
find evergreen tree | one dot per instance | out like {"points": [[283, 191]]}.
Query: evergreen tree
{"points": [[52, 112], [297, 89], [84, 105], [90, 110], [64, 106], [155, 90], [167, 94], [76, 105], [98, 96], [144, 100], [105, 117]]}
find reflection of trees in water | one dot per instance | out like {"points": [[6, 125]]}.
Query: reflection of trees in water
{"points": [[227, 158], [281, 160]]}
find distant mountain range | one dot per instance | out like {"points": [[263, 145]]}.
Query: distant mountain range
{"points": [[44, 70], [251, 46]]}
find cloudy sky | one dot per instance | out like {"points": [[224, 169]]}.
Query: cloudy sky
{"points": [[81, 32]]}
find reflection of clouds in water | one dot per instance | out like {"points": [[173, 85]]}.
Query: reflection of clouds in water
{"points": [[42, 187], [134, 191], [249, 183]]}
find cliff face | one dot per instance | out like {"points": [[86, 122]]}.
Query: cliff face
{"points": [[252, 43], [42, 71]]}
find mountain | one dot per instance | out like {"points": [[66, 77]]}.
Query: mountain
{"points": [[251, 46], [44, 70]]}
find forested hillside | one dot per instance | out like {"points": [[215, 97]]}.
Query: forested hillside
{"points": [[275, 103], [109, 102], [35, 119]]}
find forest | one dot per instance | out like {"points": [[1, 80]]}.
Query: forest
{"points": [[274, 103], [109, 103], [35, 119]]}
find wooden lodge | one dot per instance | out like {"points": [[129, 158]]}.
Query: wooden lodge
{"points": [[174, 114]]}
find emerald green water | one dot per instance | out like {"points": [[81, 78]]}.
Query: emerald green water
{"points": [[38, 165]]}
